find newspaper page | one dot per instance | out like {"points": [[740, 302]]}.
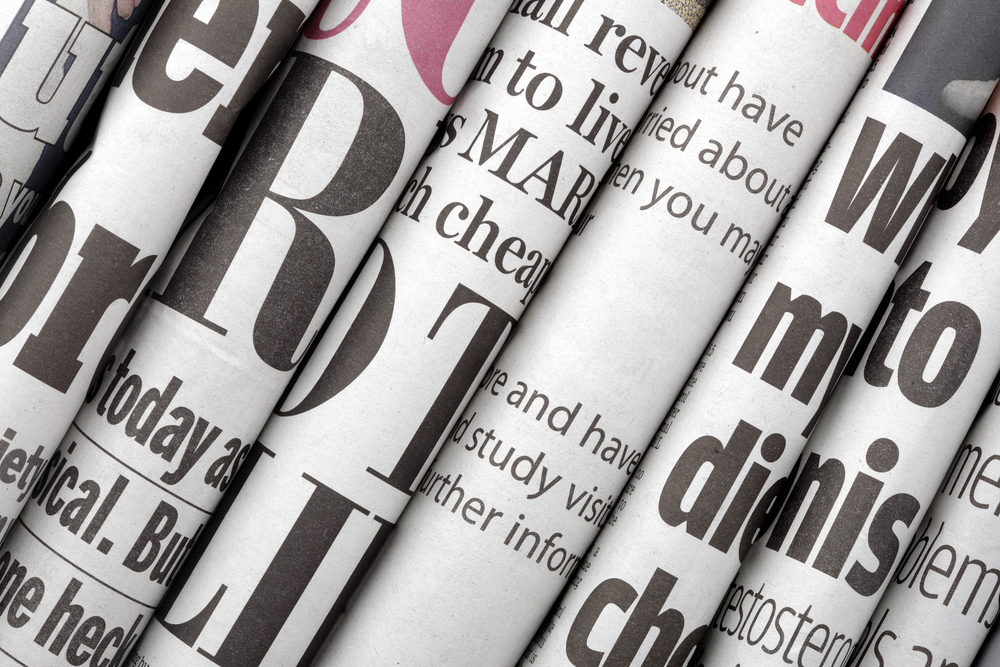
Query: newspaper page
{"points": [[881, 448], [942, 600], [682, 533], [562, 418], [547, 109], [89, 255], [191, 382], [55, 58], [68, 287]]}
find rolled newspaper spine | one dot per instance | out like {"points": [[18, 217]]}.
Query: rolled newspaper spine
{"points": [[880, 449], [942, 599], [198, 371], [55, 58], [680, 534], [563, 417], [90, 254], [547, 108]]}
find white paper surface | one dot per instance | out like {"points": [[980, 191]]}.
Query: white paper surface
{"points": [[942, 599], [880, 449], [195, 376], [562, 418], [69, 289], [471, 237], [704, 489]]}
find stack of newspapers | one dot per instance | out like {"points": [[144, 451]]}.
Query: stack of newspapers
{"points": [[296, 370]]}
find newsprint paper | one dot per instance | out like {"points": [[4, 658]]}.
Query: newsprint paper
{"points": [[678, 534], [881, 448], [547, 109], [562, 418], [55, 58], [69, 287], [193, 379], [942, 600], [89, 255]]}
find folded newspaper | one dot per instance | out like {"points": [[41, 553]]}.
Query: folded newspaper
{"points": [[55, 57], [194, 377], [881, 448], [547, 109], [562, 418], [70, 287], [680, 531]]}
